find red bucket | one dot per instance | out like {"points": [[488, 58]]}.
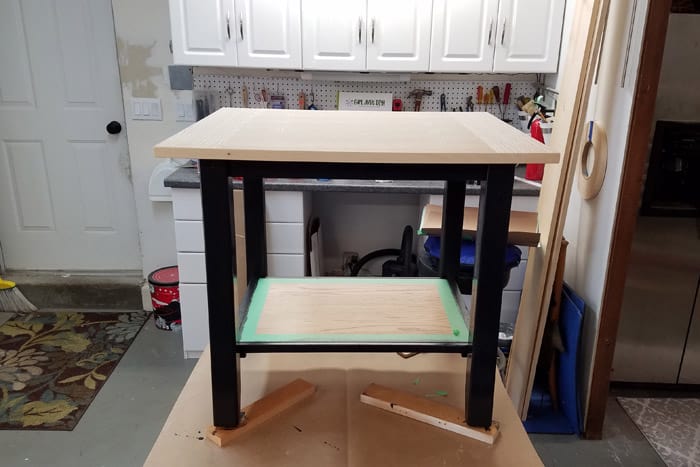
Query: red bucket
{"points": [[165, 298]]}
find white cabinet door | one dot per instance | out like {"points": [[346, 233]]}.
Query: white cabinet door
{"points": [[463, 36], [335, 34], [528, 36], [269, 33], [202, 32], [399, 35]]}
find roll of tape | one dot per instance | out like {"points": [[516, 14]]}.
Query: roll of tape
{"points": [[591, 181]]}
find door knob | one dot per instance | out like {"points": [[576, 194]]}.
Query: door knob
{"points": [[114, 127]]}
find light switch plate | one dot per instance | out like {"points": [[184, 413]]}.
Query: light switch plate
{"points": [[144, 108], [184, 110]]}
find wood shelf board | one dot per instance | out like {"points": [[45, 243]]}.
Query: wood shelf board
{"points": [[522, 229], [354, 310], [355, 137]]}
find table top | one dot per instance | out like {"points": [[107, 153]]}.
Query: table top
{"points": [[334, 428], [355, 137]]}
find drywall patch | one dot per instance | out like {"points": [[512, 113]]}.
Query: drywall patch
{"points": [[136, 74]]}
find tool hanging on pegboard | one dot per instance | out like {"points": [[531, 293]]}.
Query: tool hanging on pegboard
{"points": [[326, 92]]}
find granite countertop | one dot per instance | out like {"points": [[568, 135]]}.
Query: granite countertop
{"points": [[189, 178]]}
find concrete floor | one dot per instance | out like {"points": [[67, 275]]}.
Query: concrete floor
{"points": [[123, 422]]}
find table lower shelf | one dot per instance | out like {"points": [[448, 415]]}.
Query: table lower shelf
{"points": [[341, 314]]}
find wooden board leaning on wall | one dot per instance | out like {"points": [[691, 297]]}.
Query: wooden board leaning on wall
{"points": [[578, 73]]}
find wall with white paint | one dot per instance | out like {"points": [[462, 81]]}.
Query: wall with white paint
{"points": [[143, 35], [589, 222]]}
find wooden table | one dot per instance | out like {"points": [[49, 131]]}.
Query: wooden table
{"points": [[334, 428], [453, 147]]}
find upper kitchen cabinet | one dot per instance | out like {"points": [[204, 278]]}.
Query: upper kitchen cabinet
{"points": [[399, 35], [269, 33], [335, 34], [202, 32], [463, 37], [528, 36]]}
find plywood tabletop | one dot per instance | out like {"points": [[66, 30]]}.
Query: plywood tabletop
{"points": [[355, 137], [334, 428]]}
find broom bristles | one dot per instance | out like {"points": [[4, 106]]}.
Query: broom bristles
{"points": [[13, 301]]}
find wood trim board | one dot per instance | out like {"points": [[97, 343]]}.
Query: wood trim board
{"points": [[584, 47], [633, 172], [267, 135]]}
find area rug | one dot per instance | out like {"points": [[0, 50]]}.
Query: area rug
{"points": [[53, 364], [672, 427]]}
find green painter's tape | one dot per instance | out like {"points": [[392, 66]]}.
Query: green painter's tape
{"points": [[257, 301], [249, 333]]}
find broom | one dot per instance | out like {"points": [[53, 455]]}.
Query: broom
{"points": [[12, 300]]}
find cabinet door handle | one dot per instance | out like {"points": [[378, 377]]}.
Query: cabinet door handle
{"points": [[503, 33], [240, 24], [359, 30], [373, 21], [228, 24], [490, 31]]}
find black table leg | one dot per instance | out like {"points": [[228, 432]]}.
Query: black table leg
{"points": [[217, 210], [255, 239], [492, 238], [451, 237]]}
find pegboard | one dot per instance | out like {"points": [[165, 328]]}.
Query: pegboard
{"points": [[226, 91]]}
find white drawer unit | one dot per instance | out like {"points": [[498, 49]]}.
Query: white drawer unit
{"points": [[187, 204], [195, 319], [189, 236], [286, 214], [285, 265], [285, 238], [192, 268], [287, 206]]}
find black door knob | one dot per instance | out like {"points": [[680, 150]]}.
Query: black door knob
{"points": [[114, 127]]}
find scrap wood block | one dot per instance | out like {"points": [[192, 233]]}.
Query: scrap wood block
{"points": [[522, 229], [433, 413], [263, 410]]}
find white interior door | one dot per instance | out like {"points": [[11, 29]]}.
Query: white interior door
{"points": [[463, 35], [203, 32], [335, 34], [269, 33], [529, 36], [65, 188], [399, 35]]}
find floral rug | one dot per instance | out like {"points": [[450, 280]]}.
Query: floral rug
{"points": [[672, 426], [53, 364]]}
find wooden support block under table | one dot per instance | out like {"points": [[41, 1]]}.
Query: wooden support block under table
{"points": [[263, 410], [427, 411]]}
